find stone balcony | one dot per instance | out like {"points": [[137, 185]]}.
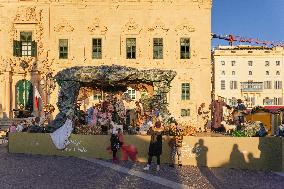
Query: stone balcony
{"points": [[252, 86]]}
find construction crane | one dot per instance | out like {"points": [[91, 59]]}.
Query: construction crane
{"points": [[235, 38]]}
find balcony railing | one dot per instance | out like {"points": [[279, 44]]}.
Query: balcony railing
{"points": [[252, 86]]}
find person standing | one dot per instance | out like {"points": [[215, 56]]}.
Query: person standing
{"points": [[176, 143], [217, 110], [12, 129], [240, 112], [138, 113], [90, 114], [155, 147], [115, 145], [203, 117]]}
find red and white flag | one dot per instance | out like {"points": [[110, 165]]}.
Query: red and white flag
{"points": [[37, 97]]}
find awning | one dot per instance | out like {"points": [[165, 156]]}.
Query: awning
{"points": [[274, 109]]}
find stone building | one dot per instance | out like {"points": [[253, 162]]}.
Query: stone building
{"points": [[40, 38], [250, 73]]}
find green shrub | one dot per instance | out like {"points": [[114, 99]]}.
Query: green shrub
{"points": [[238, 133]]}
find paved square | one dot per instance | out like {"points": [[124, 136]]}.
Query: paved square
{"points": [[36, 171]]}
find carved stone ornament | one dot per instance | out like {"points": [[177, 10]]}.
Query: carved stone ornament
{"points": [[131, 27], [185, 27], [158, 26], [14, 64], [207, 4], [27, 15], [64, 26], [33, 17], [97, 28]]}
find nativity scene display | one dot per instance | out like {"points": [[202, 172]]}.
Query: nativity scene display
{"points": [[95, 100]]}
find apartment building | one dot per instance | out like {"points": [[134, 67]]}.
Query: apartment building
{"points": [[252, 73]]}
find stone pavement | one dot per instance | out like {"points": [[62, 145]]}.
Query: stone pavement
{"points": [[40, 172]]}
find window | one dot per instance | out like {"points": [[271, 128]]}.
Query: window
{"points": [[277, 72], [131, 48], [184, 48], [250, 72], [25, 47], [26, 39], [233, 63], [278, 101], [278, 85], [249, 63], [223, 73], [131, 93], [185, 112], [185, 91], [233, 84], [97, 48], [233, 73], [267, 73], [232, 102], [251, 101], [277, 63], [266, 63], [158, 48], [223, 63], [63, 48], [223, 86], [268, 101], [267, 85]]}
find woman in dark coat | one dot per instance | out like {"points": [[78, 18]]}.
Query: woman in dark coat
{"points": [[155, 148], [115, 145]]}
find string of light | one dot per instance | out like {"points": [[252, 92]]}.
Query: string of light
{"points": [[240, 39]]}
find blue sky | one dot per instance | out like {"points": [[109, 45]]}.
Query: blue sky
{"points": [[263, 19]]}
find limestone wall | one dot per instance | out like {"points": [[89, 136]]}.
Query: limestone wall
{"points": [[244, 152]]}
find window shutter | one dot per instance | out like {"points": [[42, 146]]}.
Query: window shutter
{"points": [[17, 48], [34, 49], [188, 91], [189, 56]]}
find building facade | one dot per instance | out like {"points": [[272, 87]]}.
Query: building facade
{"points": [[40, 38], [253, 74]]}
